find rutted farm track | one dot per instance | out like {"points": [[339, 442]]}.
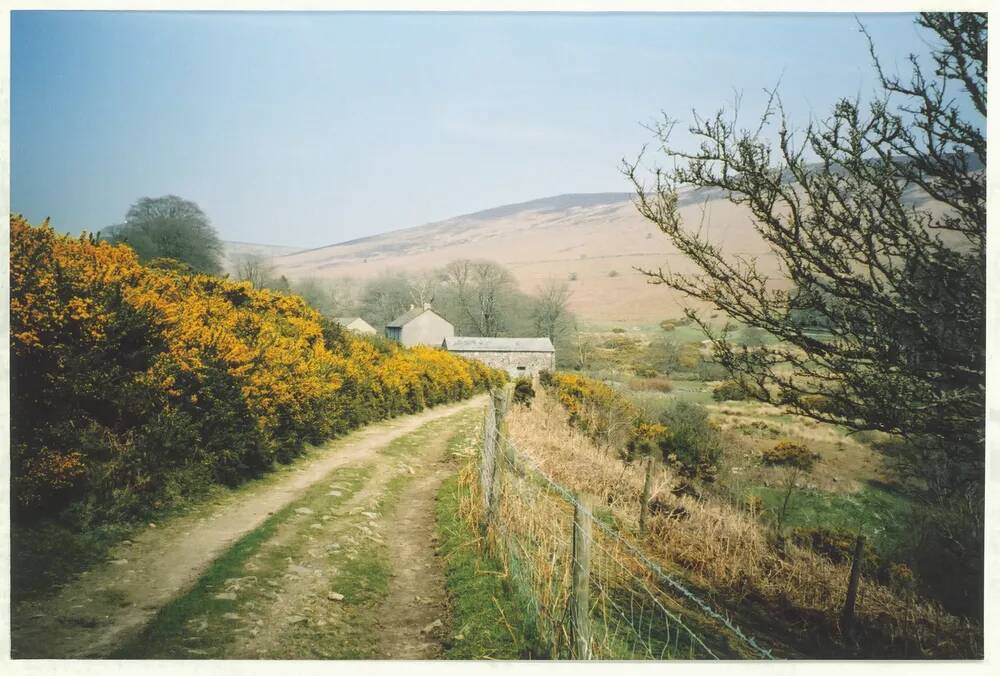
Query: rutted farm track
{"points": [[334, 560]]}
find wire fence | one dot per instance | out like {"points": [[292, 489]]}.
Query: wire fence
{"points": [[593, 594]]}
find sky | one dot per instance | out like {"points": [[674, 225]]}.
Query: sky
{"points": [[306, 129]]}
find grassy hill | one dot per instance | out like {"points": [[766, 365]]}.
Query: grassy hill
{"points": [[593, 240]]}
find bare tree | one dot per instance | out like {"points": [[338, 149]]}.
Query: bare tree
{"points": [[904, 301], [482, 291], [550, 311], [877, 216], [424, 287], [255, 269], [384, 297]]}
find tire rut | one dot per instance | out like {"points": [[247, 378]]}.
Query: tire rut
{"points": [[103, 607]]}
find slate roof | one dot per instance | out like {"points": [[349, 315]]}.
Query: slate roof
{"points": [[473, 344], [408, 317], [346, 320]]}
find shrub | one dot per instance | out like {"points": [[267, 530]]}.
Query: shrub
{"points": [[603, 413], [645, 440], [790, 454], [127, 378], [729, 390], [619, 342], [693, 444], [837, 545], [689, 357], [683, 436], [817, 402], [709, 370], [524, 392], [618, 329], [661, 355]]}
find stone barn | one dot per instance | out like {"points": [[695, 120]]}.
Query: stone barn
{"points": [[419, 326], [517, 356]]}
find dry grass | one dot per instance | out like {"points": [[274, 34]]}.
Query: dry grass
{"points": [[655, 384], [846, 462], [721, 548], [631, 617]]}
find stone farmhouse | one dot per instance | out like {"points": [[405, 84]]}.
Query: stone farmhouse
{"points": [[420, 326], [356, 324], [517, 356]]}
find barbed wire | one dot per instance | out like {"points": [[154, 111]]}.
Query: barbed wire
{"points": [[527, 463]]}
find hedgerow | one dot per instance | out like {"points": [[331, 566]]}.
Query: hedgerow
{"points": [[128, 379]]}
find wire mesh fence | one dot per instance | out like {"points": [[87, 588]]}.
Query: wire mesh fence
{"points": [[593, 594]]}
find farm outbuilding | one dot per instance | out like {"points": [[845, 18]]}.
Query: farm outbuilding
{"points": [[517, 356], [356, 324], [419, 326]]}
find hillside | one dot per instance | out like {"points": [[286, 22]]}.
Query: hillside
{"points": [[595, 240], [233, 252]]}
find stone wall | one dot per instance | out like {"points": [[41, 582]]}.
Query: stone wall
{"points": [[516, 364]]}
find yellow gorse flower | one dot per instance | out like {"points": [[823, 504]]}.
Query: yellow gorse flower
{"points": [[218, 345]]}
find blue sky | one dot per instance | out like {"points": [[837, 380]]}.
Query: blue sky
{"points": [[308, 129]]}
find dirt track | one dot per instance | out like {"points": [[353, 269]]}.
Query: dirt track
{"points": [[95, 613]]}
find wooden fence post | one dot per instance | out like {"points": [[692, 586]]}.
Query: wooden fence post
{"points": [[847, 615], [488, 461], [499, 397], [580, 595], [646, 488], [488, 467]]}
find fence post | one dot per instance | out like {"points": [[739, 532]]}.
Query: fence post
{"points": [[847, 615], [488, 461], [646, 488], [580, 597], [499, 397]]}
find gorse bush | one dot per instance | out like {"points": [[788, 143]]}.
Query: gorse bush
{"points": [[683, 437], [790, 454], [131, 382], [605, 414]]}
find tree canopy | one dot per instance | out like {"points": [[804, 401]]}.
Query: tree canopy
{"points": [[170, 227]]}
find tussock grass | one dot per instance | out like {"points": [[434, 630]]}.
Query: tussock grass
{"points": [[653, 384], [793, 596]]}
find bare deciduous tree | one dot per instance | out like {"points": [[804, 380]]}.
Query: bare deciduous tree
{"points": [[877, 216], [482, 290], [255, 269], [550, 310], [902, 286]]}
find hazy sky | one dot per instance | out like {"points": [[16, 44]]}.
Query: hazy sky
{"points": [[308, 129]]}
